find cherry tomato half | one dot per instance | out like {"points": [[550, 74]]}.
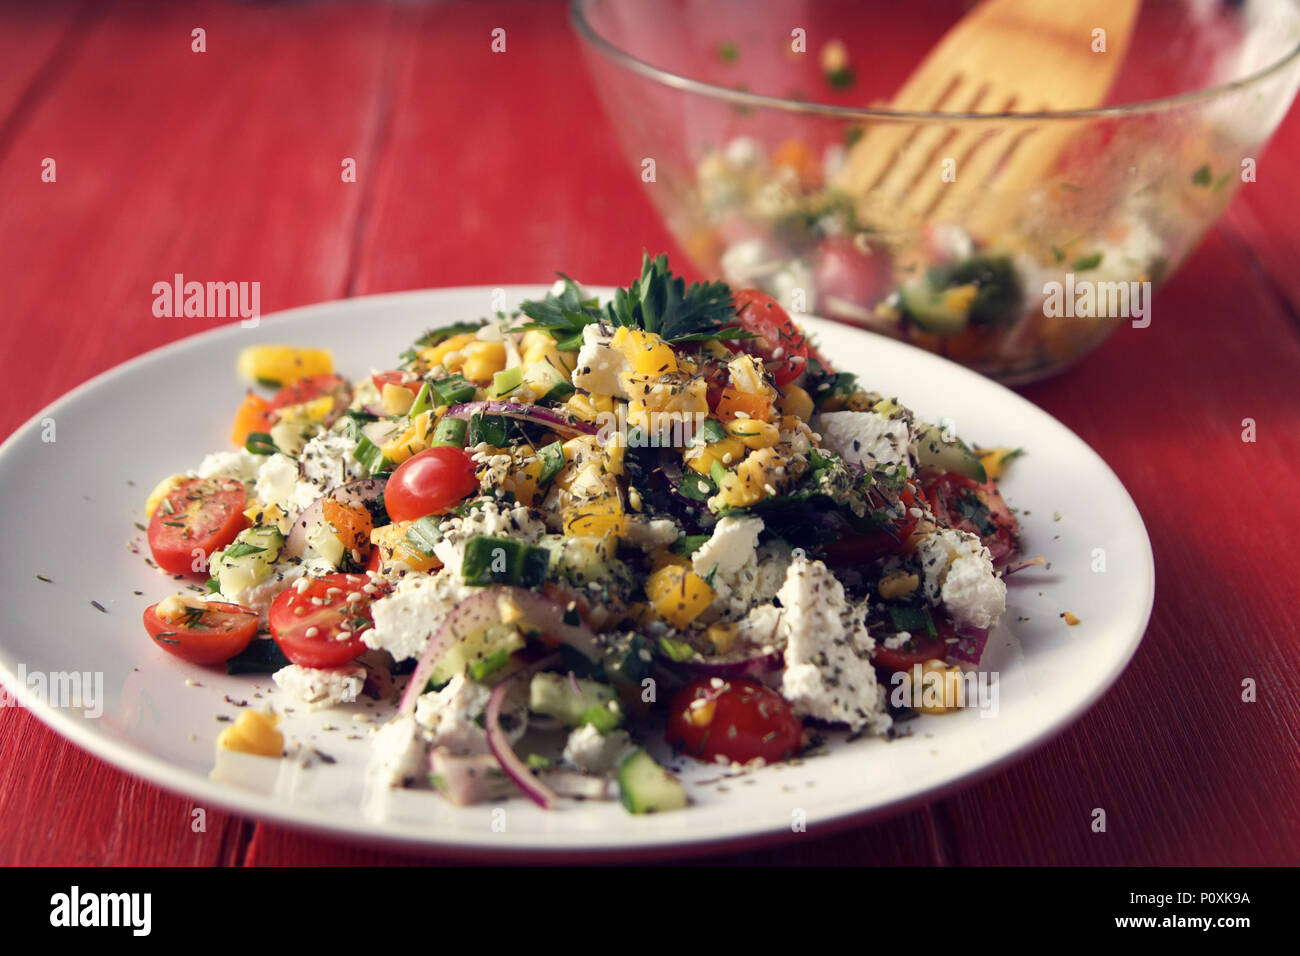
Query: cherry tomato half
{"points": [[309, 388], [196, 518], [406, 380], [207, 634], [429, 482], [740, 720], [320, 624], [864, 548], [779, 343], [921, 648], [958, 502]]}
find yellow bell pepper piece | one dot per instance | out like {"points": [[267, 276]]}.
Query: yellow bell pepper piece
{"points": [[282, 364], [678, 595], [601, 518], [727, 452]]}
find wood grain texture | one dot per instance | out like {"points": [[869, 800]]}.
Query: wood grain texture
{"points": [[476, 167]]}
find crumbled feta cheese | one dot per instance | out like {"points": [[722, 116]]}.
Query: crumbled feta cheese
{"points": [[864, 438], [321, 687], [731, 545], [959, 574], [895, 641], [651, 534], [408, 617], [258, 597], [326, 461], [600, 365], [398, 752], [491, 519], [240, 464], [278, 484], [828, 672], [593, 752], [449, 717]]}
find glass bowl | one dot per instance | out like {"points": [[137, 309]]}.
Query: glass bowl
{"points": [[749, 127]]}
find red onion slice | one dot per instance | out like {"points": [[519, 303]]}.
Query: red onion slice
{"points": [[499, 744], [753, 666], [970, 644], [536, 414], [483, 610]]}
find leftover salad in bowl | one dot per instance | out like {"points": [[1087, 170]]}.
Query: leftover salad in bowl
{"points": [[567, 541]]}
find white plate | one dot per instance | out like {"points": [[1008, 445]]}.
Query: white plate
{"points": [[71, 504]]}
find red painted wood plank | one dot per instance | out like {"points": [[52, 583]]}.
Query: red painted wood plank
{"points": [[550, 188], [161, 169], [1186, 771], [37, 43], [62, 807], [1263, 213]]}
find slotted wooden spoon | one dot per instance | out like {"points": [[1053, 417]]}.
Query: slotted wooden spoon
{"points": [[1004, 56]]}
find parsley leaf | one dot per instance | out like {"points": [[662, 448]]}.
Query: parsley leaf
{"points": [[663, 303]]}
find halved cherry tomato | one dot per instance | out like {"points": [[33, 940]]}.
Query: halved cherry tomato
{"points": [[195, 519], [958, 502], [404, 380], [865, 548], [209, 634], [779, 343], [320, 624], [429, 482], [740, 720], [921, 648], [312, 387]]}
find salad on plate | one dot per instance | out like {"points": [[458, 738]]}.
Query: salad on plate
{"points": [[568, 541]]}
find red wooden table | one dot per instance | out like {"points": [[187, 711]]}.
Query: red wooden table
{"points": [[475, 168]]}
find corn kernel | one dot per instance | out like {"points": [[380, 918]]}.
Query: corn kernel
{"points": [[434, 355], [941, 688], [753, 433], [897, 584], [253, 732], [727, 452], [483, 360], [282, 364], [723, 637], [797, 402]]}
